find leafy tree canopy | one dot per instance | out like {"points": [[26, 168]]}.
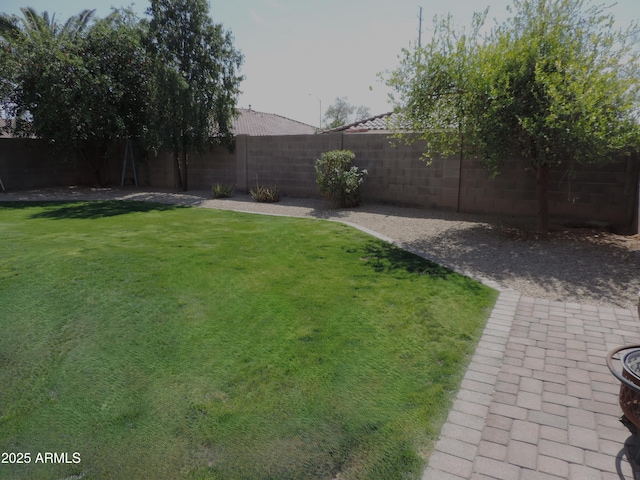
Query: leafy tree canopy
{"points": [[342, 113], [556, 84], [80, 85], [196, 78]]}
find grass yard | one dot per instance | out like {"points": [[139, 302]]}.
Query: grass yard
{"points": [[155, 341]]}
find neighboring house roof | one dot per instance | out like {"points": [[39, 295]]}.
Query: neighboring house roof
{"points": [[248, 122], [260, 124], [377, 124]]}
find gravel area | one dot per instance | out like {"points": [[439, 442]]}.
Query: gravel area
{"points": [[570, 264]]}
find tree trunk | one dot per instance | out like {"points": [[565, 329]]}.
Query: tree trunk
{"points": [[185, 173], [542, 195], [178, 170], [181, 159]]}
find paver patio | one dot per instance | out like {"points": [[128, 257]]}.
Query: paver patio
{"points": [[538, 401]]}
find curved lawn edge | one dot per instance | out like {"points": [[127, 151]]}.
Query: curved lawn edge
{"points": [[369, 249]]}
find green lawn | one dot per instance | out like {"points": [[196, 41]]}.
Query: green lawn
{"points": [[166, 342]]}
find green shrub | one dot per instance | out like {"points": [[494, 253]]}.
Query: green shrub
{"points": [[265, 193], [338, 179], [220, 190]]}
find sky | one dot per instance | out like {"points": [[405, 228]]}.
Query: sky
{"points": [[299, 56]]}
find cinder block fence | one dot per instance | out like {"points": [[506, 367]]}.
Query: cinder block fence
{"points": [[397, 175]]}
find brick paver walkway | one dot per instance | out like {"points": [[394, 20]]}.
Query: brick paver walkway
{"points": [[538, 401]]}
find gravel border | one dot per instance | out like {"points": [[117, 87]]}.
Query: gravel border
{"points": [[577, 266]]}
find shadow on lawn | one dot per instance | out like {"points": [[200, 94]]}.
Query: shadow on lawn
{"points": [[90, 210], [384, 257]]}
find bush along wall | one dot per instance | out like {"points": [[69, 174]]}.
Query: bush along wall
{"points": [[338, 179]]}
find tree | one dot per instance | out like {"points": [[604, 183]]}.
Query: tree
{"points": [[342, 113], [7, 71], [115, 100], [196, 80], [565, 86], [436, 88], [38, 55], [80, 87], [40, 27], [556, 84], [361, 113]]}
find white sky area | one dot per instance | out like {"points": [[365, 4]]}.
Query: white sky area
{"points": [[300, 55]]}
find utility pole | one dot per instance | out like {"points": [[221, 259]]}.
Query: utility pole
{"points": [[420, 28]]}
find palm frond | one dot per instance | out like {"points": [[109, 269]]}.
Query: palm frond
{"points": [[9, 29], [77, 24]]}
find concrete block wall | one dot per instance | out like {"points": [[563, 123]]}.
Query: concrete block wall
{"points": [[593, 192], [285, 161], [599, 192], [512, 191], [26, 163], [217, 165], [157, 170], [397, 175]]}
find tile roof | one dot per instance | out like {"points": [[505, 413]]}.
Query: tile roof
{"points": [[259, 124], [248, 122], [379, 123]]}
